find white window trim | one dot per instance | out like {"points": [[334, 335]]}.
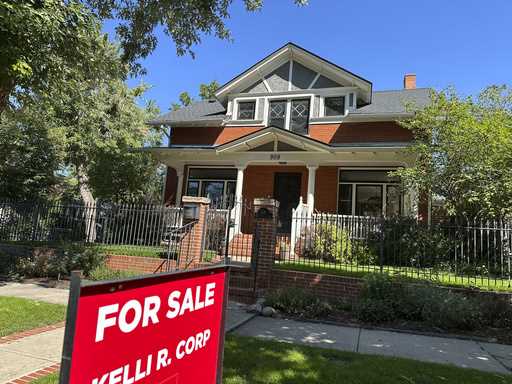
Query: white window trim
{"points": [[383, 186]]}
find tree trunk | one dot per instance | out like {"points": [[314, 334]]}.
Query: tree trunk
{"points": [[90, 205], [6, 87]]}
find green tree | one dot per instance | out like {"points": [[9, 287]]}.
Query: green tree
{"points": [[206, 91], [42, 43], [463, 152], [185, 21]]}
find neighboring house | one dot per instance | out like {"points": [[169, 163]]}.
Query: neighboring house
{"points": [[295, 125]]}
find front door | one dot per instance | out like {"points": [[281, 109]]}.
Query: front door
{"points": [[287, 192]]}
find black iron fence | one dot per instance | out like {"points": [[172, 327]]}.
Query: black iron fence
{"points": [[130, 229], [457, 252]]}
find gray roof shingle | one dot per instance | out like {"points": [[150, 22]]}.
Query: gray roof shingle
{"points": [[199, 111], [384, 102]]}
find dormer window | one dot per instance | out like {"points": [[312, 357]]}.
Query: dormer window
{"points": [[246, 110], [334, 106]]}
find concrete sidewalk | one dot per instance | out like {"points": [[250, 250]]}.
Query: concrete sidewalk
{"points": [[462, 353], [34, 292]]}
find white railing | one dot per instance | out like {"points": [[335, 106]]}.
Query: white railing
{"points": [[297, 214]]}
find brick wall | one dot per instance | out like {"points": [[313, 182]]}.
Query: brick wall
{"points": [[329, 287], [360, 132], [139, 264], [209, 135], [327, 133]]}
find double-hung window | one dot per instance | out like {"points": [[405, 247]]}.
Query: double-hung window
{"points": [[369, 193], [292, 114]]}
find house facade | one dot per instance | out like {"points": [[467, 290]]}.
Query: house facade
{"points": [[295, 127]]}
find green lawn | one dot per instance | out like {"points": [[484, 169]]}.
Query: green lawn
{"points": [[18, 314], [254, 361], [133, 250], [442, 278]]}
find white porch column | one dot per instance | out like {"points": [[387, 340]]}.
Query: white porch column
{"points": [[238, 206], [311, 187], [179, 184]]}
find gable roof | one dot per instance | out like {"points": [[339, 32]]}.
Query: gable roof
{"points": [[272, 133], [291, 51], [201, 111]]}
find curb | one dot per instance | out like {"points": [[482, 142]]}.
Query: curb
{"points": [[31, 332], [36, 374]]}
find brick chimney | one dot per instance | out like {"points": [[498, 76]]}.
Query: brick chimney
{"points": [[410, 81]]}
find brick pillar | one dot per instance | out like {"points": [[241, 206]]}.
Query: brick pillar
{"points": [[192, 243], [265, 219]]}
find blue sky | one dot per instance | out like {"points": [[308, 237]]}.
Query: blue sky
{"points": [[463, 43]]}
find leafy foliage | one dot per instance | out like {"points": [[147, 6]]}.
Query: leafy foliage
{"points": [[206, 91], [184, 21], [45, 44], [298, 302], [385, 299], [328, 242], [463, 152]]}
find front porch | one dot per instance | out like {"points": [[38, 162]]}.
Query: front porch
{"points": [[350, 180]]}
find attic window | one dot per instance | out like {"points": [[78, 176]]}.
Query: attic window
{"points": [[246, 110], [334, 106]]}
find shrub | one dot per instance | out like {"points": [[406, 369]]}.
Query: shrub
{"points": [[329, 243], [59, 262], [105, 273], [408, 242], [453, 311], [298, 302], [7, 264], [386, 299]]}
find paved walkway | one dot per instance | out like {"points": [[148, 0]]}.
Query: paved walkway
{"points": [[462, 353]]}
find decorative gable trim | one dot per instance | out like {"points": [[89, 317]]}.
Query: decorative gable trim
{"points": [[292, 54]]}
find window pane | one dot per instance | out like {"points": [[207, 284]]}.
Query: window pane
{"points": [[213, 190], [230, 191], [246, 110], [345, 199], [300, 116], [277, 113], [393, 200], [334, 106], [212, 173], [193, 188], [367, 176], [368, 200]]}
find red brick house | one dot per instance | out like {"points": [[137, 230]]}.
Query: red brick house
{"points": [[294, 125]]}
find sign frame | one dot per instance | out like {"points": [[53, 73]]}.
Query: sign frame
{"points": [[77, 285]]}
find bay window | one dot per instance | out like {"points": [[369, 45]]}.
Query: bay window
{"points": [[369, 193]]}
